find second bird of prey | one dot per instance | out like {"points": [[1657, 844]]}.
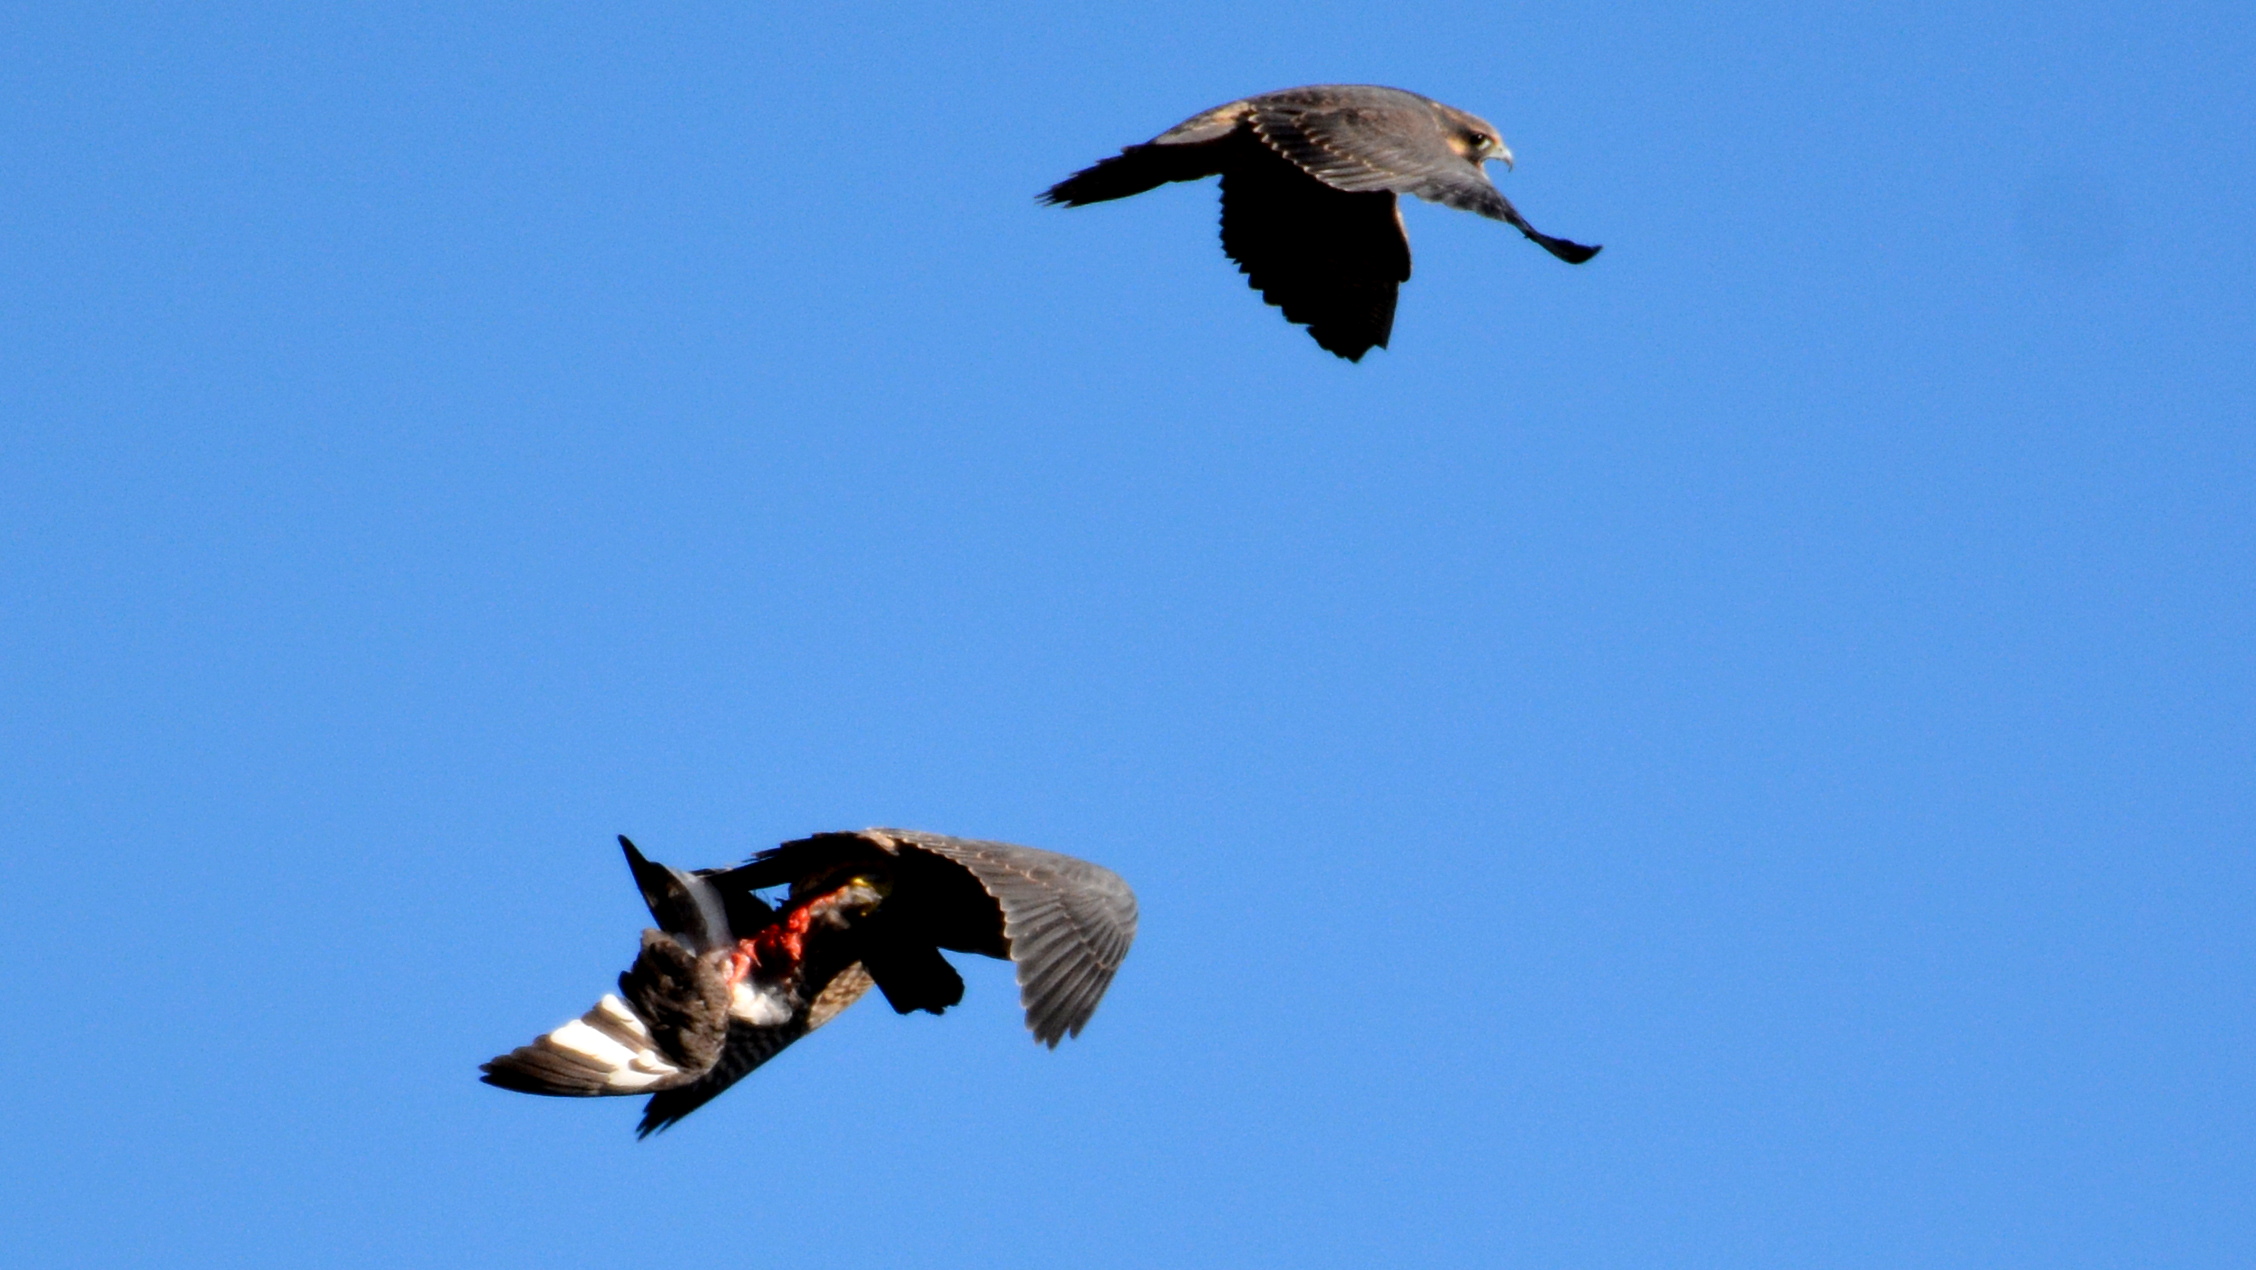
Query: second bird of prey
{"points": [[728, 980], [1309, 179]]}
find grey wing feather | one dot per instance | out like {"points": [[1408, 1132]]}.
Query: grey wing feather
{"points": [[1068, 923], [1470, 191], [1356, 143]]}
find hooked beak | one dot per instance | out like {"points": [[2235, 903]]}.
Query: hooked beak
{"points": [[1503, 155]]}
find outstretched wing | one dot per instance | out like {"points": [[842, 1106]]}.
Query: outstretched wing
{"points": [[1333, 260], [1067, 923]]}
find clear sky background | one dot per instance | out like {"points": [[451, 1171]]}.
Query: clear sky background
{"points": [[1738, 754]]}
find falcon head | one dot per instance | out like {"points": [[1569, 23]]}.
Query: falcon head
{"points": [[1474, 137], [861, 895]]}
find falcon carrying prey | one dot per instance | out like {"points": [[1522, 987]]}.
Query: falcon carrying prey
{"points": [[1309, 177], [728, 980]]}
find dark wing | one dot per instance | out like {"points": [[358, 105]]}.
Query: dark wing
{"points": [[1360, 139], [796, 863], [702, 908], [1471, 192], [746, 1048], [1333, 260], [1067, 923], [682, 904]]}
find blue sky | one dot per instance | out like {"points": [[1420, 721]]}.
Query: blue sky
{"points": [[1738, 754]]}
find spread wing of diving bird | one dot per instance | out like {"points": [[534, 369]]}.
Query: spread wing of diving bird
{"points": [[728, 979], [1309, 178]]}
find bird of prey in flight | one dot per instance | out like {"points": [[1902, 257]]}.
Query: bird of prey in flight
{"points": [[729, 979], [1309, 177]]}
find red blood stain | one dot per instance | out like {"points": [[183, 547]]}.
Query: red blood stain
{"points": [[778, 949]]}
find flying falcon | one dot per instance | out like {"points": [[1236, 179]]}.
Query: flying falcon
{"points": [[1309, 177], [729, 979]]}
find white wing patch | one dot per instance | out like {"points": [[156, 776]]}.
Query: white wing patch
{"points": [[611, 1049]]}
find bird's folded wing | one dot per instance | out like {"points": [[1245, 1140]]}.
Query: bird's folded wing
{"points": [[1068, 922]]}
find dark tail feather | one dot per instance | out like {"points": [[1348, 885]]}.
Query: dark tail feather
{"points": [[1133, 171]]}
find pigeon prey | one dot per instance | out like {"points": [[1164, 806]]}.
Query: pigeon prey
{"points": [[1309, 177], [729, 979]]}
